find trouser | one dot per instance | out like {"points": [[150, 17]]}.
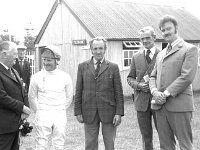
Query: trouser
{"points": [[171, 124], [9, 141], [50, 123], [146, 129], [92, 133]]}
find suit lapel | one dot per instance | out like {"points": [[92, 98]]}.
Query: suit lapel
{"points": [[18, 67], [143, 61], [176, 48], [7, 73], [91, 67], [155, 55], [24, 65], [16, 76], [104, 65], [151, 65], [142, 58], [19, 81]]}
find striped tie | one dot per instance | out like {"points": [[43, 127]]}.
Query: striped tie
{"points": [[169, 48], [147, 56], [21, 64], [11, 73], [97, 69]]}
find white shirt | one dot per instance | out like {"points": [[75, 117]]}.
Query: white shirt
{"points": [[50, 90], [4, 65], [153, 50], [95, 62]]}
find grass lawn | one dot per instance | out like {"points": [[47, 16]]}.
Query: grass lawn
{"points": [[128, 134]]}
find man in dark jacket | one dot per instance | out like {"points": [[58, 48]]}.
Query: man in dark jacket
{"points": [[23, 67], [99, 97], [13, 101], [138, 78]]}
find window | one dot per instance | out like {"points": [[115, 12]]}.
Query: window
{"points": [[129, 48]]}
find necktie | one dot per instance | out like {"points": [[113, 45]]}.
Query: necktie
{"points": [[20, 64], [147, 56], [169, 48], [11, 73], [97, 69]]}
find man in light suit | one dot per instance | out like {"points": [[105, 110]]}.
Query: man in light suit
{"points": [[13, 100], [99, 97], [138, 78], [170, 84], [23, 66]]}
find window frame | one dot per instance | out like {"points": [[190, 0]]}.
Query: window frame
{"points": [[130, 46]]}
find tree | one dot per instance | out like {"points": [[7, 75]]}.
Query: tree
{"points": [[29, 39], [29, 42], [6, 37]]}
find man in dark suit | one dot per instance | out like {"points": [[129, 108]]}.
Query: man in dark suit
{"points": [[99, 97], [170, 84], [138, 78], [13, 103], [23, 66]]}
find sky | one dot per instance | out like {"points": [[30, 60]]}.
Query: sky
{"points": [[17, 14]]}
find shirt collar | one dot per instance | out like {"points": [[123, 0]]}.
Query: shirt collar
{"points": [[153, 50], [95, 61], [22, 60], [173, 44], [4, 66]]}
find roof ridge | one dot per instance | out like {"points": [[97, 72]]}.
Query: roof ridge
{"points": [[151, 4]]}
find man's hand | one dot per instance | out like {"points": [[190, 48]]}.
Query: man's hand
{"points": [[144, 86], [116, 120], [159, 97], [26, 110], [24, 116], [79, 118]]}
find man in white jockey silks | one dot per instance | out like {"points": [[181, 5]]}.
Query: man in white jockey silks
{"points": [[50, 94]]}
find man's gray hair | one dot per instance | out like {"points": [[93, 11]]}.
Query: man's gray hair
{"points": [[99, 38], [7, 45], [146, 29]]}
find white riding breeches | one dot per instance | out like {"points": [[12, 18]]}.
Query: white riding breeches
{"points": [[50, 124]]}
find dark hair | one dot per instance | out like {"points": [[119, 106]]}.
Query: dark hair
{"points": [[167, 18]]}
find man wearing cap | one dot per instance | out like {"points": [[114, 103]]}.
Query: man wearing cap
{"points": [[23, 66], [50, 94]]}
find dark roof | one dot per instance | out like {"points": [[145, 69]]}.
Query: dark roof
{"points": [[122, 20]]}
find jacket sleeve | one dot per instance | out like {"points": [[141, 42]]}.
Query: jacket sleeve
{"points": [[29, 74], [152, 79], [131, 78], [8, 102], [118, 92], [78, 93], [188, 71], [32, 95], [68, 91]]}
